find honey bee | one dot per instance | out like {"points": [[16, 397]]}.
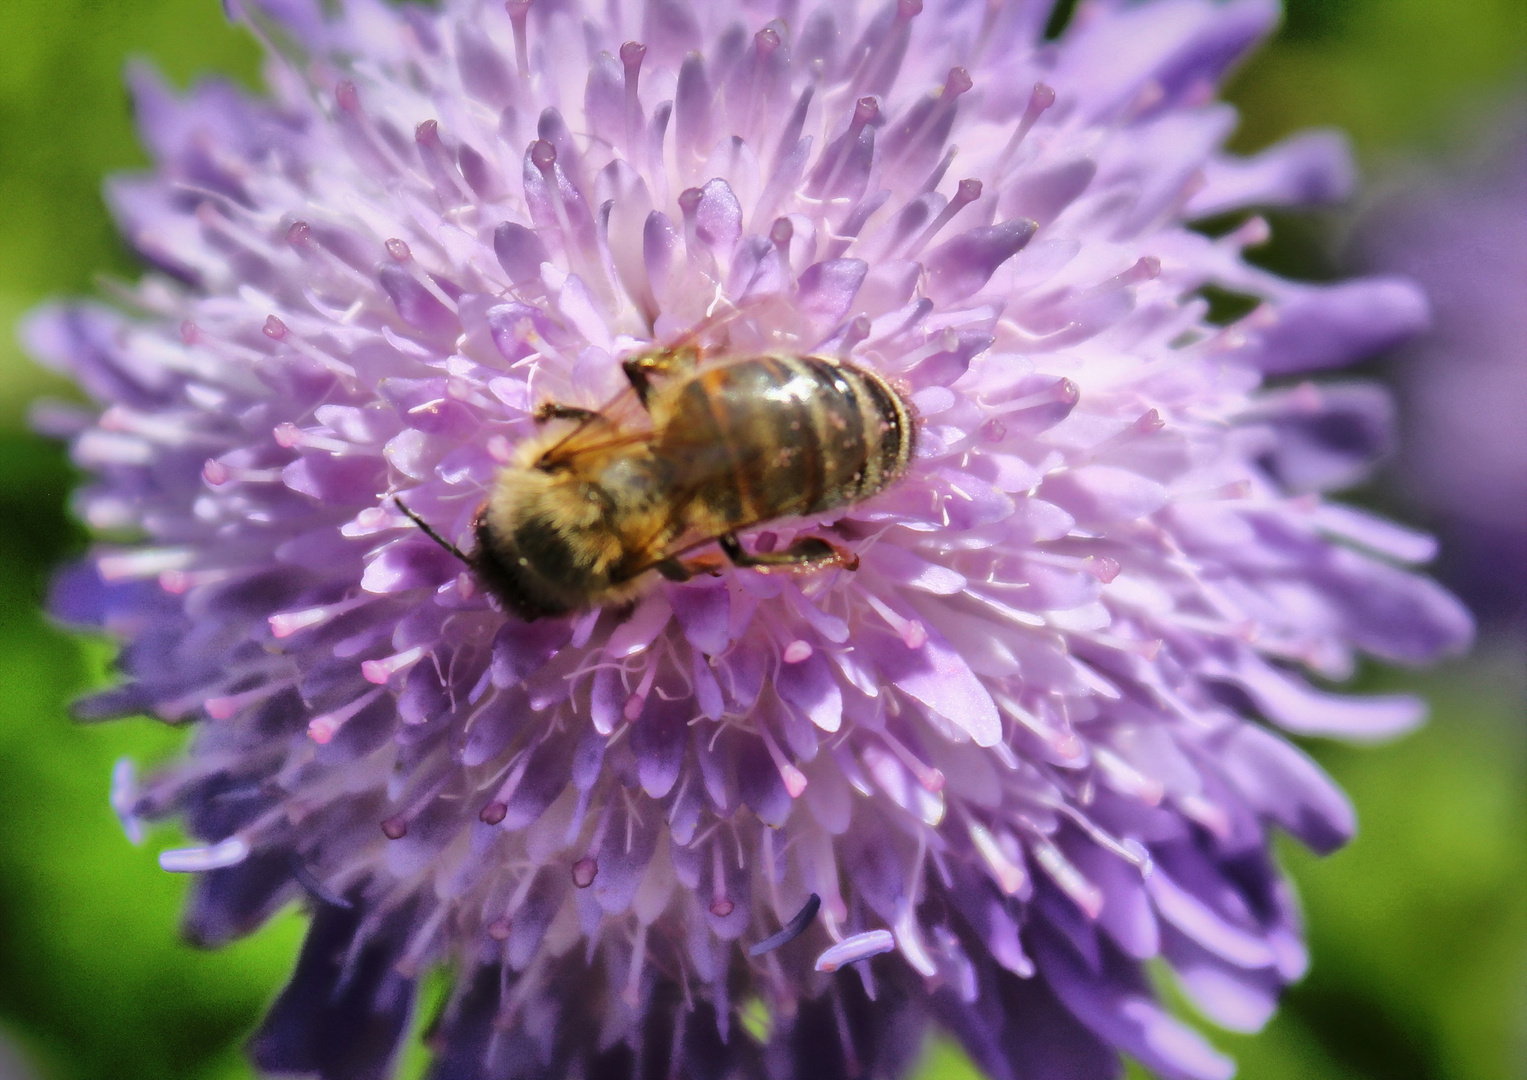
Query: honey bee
{"points": [[697, 448]]}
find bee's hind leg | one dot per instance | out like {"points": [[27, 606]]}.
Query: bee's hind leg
{"points": [[551, 410], [806, 553], [684, 569]]}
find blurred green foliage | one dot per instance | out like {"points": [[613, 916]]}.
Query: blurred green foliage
{"points": [[1418, 929]]}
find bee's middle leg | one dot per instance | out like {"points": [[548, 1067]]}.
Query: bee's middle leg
{"points": [[806, 553], [552, 410]]}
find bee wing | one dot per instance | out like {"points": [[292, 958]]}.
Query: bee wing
{"points": [[621, 422]]}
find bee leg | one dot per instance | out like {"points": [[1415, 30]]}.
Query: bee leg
{"points": [[684, 569], [640, 369], [807, 553], [551, 410]]}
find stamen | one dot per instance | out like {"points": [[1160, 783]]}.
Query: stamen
{"points": [[517, 10], [856, 948], [584, 871], [309, 881], [1064, 873], [221, 708], [866, 112], [379, 671], [289, 435], [969, 191], [638, 700], [1008, 872], [856, 331], [632, 992], [912, 632], [143, 563], [874, 60], [323, 728], [286, 623], [792, 929], [1040, 99], [124, 798], [720, 904], [230, 852], [689, 205], [931, 779], [795, 780], [1061, 390], [631, 56]]}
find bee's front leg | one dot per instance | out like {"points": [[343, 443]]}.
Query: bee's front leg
{"points": [[551, 410], [806, 553], [642, 368]]}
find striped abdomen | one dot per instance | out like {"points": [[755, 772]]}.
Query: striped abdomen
{"points": [[764, 437]]}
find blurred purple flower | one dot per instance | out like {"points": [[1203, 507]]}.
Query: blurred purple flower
{"points": [[1027, 747], [1464, 382]]}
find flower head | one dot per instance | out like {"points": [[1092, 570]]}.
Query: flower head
{"points": [[1026, 746], [1465, 381]]}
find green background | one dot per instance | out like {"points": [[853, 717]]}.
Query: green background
{"points": [[1419, 928]]}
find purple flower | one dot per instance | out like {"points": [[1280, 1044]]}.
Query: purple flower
{"points": [[1028, 745], [1465, 381]]}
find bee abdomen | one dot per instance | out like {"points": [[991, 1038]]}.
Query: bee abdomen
{"points": [[777, 436]]}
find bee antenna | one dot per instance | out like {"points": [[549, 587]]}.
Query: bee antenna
{"points": [[430, 532]]}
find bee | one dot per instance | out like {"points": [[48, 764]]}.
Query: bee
{"points": [[696, 449]]}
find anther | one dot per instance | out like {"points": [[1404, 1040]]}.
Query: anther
{"points": [[188, 332], [395, 827], [584, 871], [493, 813], [766, 41], [958, 82], [866, 111], [631, 55], [298, 234], [721, 907], [346, 97], [781, 233], [274, 328], [796, 652], [543, 155], [399, 250], [499, 928], [906, 10]]}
